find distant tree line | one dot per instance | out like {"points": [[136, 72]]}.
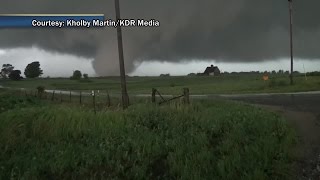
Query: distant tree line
{"points": [[77, 75], [261, 72], [314, 73], [32, 70], [280, 72], [164, 75]]}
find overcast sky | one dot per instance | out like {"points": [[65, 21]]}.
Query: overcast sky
{"points": [[236, 35], [59, 65]]}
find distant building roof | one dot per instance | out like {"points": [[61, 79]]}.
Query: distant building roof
{"points": [[212, 70]]}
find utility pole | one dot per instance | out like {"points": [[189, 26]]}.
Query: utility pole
{"points": [[125, 97], [291, 41]]}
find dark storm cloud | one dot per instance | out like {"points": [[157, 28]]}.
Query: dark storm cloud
{"points": [[229, 31]]}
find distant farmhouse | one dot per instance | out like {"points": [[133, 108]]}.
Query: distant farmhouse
{"points": [[212, 71]]}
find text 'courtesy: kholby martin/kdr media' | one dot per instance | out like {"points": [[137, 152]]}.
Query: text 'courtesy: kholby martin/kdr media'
{"points": [[82, 23], [71, 21]]}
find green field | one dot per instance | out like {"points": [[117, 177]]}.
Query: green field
{"points": [[173, 85], [204, 140]]}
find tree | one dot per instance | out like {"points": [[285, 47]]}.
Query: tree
{"points": [[15, 75], [33, 70], [85, 76], [76, 75], [6, 70]]}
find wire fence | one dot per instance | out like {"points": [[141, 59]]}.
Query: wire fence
{"points": [[95, 99], [99, 100]]}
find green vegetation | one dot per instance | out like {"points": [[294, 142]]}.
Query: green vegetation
{"points": [[8, 71], [173, 85], [8, 102], [33, 70], [15, 75], [206, 140], [76, 75]]}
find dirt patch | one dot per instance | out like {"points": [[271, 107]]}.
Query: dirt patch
{"points": [[307, 125]]}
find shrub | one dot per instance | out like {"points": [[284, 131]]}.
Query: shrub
{"points": [[40, 89]]}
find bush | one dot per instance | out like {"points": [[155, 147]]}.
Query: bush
{"points": [[40, 89]]}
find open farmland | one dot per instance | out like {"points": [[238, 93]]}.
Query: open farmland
{"points": [[173, 85]]}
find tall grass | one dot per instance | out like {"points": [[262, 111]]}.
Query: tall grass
{"points": [[206, 140]]}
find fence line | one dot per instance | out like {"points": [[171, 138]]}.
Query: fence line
{"points": [[97, 100], [185, 95]]}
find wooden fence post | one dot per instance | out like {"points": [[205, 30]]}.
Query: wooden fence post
{"points": [[186, 96], [153, 95], [60, 96], [70, 96], [94, 101], [52, 98], [80, 97], [97, 94], [108, 99]]}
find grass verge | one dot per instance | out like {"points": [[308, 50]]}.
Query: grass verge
{"points": [[206, 140]]}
